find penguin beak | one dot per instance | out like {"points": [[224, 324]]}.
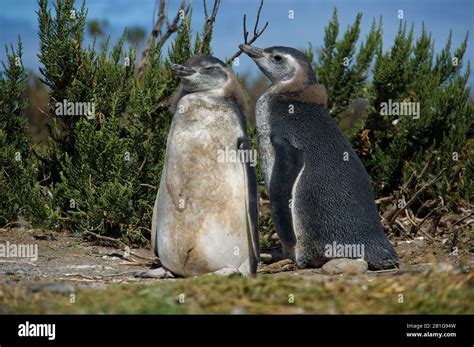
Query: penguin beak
{"points": [[181, 70], [252, 52]]}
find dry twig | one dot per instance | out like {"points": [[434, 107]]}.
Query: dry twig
{"points": [[157, 30], [407, 188], [119, 243], [210, 20], [256, 33], [414, 197]]}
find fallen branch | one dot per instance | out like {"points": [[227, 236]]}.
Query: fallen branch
{"points": [[409, 218], [413, 198], [402, 227], [119, 243], [384, 200], [427, 167], [148, 185], [407, 188], [431, 238], [418, 227], [107, 238], [463, 219], [415, 179]]}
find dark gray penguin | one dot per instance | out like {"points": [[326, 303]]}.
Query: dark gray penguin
{"points": [[205, 217], [320, 193]]}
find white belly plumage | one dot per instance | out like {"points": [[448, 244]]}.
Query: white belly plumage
{"points": [[266, 151], [201, 210]]}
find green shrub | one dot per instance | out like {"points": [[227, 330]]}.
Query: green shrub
{"points": [[100, 171], [21, 197], [409, 71]]}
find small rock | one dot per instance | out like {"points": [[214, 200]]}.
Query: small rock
{"points": [[419, 241], [265, 258], [346, 266], [155, 273], [274, 237], [226, 272], [14, 272]]}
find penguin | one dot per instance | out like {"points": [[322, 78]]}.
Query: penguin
{"points": [[320, 193], [205, 217]]}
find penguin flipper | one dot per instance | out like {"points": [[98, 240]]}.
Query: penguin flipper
{"points": [[154, 225], [252, 200], [286, 168]]}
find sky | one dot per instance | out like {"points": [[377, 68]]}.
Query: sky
{"points": [[18, 17]]}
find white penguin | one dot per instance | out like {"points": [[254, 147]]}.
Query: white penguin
{"points": [[205, 217]]}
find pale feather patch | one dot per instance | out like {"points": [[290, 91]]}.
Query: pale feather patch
{"points": [[296, 224], [267, 152]]}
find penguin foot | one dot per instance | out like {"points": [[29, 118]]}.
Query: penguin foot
{"points": [[271, 256], [226, 272], [155, 273]]}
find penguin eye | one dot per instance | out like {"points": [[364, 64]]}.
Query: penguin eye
{"points": [[209, 68], [277, 57]]}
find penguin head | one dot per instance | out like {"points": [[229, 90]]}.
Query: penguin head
{"points": [[201, 73], [281, 64]]}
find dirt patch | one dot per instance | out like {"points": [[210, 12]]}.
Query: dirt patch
{"points": [[431, 276], [64, 257]]}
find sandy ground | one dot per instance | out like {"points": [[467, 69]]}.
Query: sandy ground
{"points": [[68, 259]]}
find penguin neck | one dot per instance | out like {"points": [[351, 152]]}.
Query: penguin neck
{"points": [[233, 91], [302, 87], [230, 92], [219, 96], [209, 95]]}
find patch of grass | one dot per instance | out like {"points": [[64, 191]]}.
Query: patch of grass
{"points": [[429, 293]]}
